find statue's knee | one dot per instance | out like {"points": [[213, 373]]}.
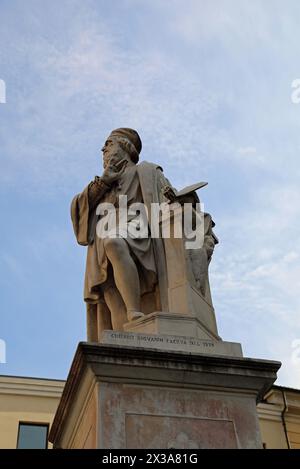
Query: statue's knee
{"points": [[114, 246]]}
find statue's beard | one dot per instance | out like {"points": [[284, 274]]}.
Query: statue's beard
{"points": [[113, 159]]}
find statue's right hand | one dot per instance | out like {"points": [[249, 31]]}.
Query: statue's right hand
{"points": [[113, 172], [169, 193]]}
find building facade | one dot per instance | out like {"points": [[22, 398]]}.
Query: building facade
{"points": [[279, 417], [27, 408]]}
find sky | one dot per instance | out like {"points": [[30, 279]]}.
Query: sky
{"points": [[208, 85]]}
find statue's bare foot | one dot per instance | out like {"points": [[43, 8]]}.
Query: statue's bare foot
{"points": [[133, 315]]}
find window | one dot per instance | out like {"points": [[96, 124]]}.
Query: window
{"points": [[32, 435]]}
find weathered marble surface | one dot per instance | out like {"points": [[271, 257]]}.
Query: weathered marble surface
{"points": [[131, 397]]}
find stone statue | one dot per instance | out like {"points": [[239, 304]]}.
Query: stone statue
{"points": [[128, 278]]}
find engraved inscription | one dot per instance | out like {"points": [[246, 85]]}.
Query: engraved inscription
{"points": [[162, 340]]}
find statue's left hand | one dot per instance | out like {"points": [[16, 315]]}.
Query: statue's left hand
{"points": [[113, 172]]}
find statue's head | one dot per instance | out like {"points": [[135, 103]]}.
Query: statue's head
{"points": [[122, 141]]}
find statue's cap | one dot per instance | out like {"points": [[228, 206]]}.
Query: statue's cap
{"points": [[130, 134]]}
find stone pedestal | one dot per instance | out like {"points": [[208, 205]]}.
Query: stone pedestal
{"points": [[167, 342], [131, 396], [175, 324]]}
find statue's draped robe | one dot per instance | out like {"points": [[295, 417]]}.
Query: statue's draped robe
{"points": [[141, 183]]}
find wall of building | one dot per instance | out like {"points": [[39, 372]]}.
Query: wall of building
{"points": [[27, 400], [279, 417], [272, 433], [293, 429]]}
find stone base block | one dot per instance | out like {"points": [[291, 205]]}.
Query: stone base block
{"points": [[133, 397], [172, 342], [171, 324]]}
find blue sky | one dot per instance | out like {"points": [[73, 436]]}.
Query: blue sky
{"points": [[208, 86]]}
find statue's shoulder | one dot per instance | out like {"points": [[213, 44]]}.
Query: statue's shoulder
{"points": [[147, 165]]}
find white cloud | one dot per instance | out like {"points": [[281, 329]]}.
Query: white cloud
{"points": [[256, 277], [93, 83], [247, 150]]}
